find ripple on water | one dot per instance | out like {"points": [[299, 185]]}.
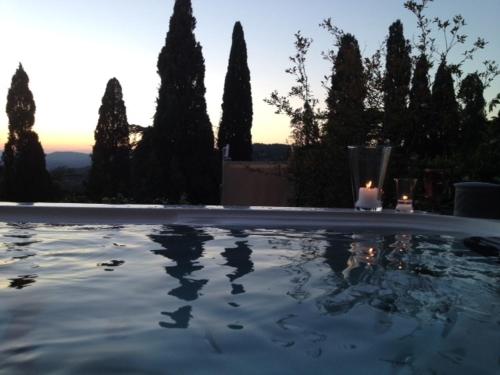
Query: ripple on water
{"points": [[142, 299]]}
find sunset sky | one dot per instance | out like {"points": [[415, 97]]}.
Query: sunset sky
{"points": [[70, 49]]}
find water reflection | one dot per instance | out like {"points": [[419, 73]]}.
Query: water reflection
{"points": [[238, 257], [183, 245], [337, 254], [18, 243], [22, 281], [399, 273], [365, 252], [180, 317], [354, 261], [111, 265], [401, 247]]}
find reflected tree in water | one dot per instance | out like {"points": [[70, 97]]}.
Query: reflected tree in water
{"points": [[184, 246], [18, 243], [181, 318], [238, 257], [22, 281]]}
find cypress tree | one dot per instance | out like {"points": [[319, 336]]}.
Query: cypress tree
{"points": [[183, 140], [473, 150], [473, 114], [396, 85], [444, 136], [418, 141], [236, 124], [25, 174], [143, 168], [110, 170], [346, 123]]}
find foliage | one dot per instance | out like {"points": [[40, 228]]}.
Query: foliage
{"points": [[136, 133], [237, 113], [418, 142], [306, 118], [372, 67], [144, 166], [396, 85], [307, 167], [426, 44], [25, 174], [485, 159], [346, 124], [110, 171], [182, 139], [446, 118], [396, 88], [473, 114], [452, 35]]}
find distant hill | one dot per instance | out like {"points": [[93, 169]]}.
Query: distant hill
{"points": [[78, 160], [272, 152], [67, 159]]}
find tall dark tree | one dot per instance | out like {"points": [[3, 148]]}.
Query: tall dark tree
{"points": [[473, 113], [346, 123], [474, 136], [446, 118], [396, 85], [25, 174], [183, 140], [110, 170], [418, 141], [346, 97], [237, 113]]}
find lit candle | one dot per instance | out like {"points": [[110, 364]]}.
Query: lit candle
{"points": [[368, 197], [405, 204]]}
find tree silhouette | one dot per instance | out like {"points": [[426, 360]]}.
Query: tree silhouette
{"points": [[346, 97], [396, 89], [25, 174], [110, 170], [473, 114], [446, 119], [418, 143], [237, 113], [473, 127], [396, 85], [144, 166], [346, 120], [183, 141]]}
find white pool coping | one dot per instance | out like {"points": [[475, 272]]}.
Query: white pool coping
{"points": [[266, 217]]}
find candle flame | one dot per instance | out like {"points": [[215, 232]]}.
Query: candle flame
{"points": [[406, 197], [369, 185]]}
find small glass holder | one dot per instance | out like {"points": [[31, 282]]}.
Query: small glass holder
{"points": [[368, 168], [404, 190]]}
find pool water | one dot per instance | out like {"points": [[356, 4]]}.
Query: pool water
{"points": [[215, 300]]}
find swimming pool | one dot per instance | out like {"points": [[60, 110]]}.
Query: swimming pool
{"points": [[104, 289]]}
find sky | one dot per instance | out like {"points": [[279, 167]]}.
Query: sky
{"points": [[70, 49]]}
